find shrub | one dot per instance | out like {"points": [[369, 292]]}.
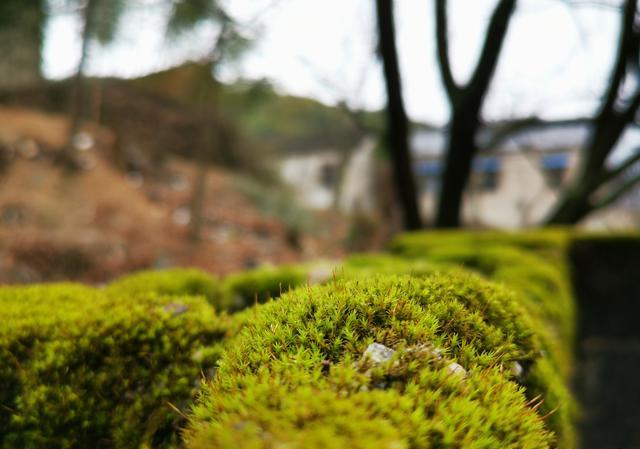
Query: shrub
{"points": [[81, 369], [296, 375], [175, 281], [260, 285]]}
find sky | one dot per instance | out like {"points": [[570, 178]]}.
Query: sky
{"points": [[555, 63]]}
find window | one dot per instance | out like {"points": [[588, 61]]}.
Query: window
{"points": [[555, 177], [554, 168], [328, 175], [488, 181], [485, 175], [429, 173]]}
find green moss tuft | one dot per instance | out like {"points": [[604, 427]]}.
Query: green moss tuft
{"points": [[295, 376], [257, 286], [84, 369], [174, 281]]}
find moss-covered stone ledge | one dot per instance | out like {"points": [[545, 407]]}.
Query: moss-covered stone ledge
{"points": [[468, 369]]}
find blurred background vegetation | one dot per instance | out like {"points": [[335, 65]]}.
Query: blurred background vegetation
{"points": [[111, 163]]}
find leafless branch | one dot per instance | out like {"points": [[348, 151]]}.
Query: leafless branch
{"points": [[493, 42], [622, 167], [618, 192], [444, 62], [508, 128]]}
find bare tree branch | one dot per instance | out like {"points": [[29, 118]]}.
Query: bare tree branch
{"points": [[507, 129], [618, 192], [592, 3], [624, 47], [398, 123], [613, 173], [444, 62], [493, 42]]}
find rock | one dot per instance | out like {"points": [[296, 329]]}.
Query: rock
{"points": [[516, 369], [425, 350], [378, 353], [175, 309], [456, 369], [83, 141], [182, 216]]}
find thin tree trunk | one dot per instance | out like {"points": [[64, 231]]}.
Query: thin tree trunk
{"points": [[211, 141], [79, 94], [466, 105], [459, 156], [398, 124], [198, 200]]}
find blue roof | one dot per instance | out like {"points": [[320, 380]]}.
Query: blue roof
{"points": [[429, 168], [486, 164], [555, 161]]}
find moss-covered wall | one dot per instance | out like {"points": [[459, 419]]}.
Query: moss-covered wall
{"points": [[89, 368], [606, 277], [448, 340]]}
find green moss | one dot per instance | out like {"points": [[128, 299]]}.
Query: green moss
{"points": [[294, 377], [533, 264], [365, 265], [252, 287], [550, 242], [84, 369], [83, 365], [175, 281]]}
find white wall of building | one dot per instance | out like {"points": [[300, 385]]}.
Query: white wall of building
{"points": [[521, 198], [355, 189]]}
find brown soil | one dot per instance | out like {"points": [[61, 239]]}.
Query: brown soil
{"points": [[102, 222]]}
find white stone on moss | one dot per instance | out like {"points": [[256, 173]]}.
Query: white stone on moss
{"points": [[456, 369], [378, 353]]}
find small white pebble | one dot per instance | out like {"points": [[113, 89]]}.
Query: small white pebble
{"points": [[378, 353], [516, 369], [456, 369]]}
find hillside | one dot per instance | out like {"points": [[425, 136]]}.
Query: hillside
{"points": [[103, 221], [281, 122]]}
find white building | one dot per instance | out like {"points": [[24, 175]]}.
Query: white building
{"points": [[516, 184], [512, 186], [327, 178]]}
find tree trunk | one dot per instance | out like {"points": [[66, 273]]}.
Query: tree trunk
{"points": [[572, 207], [78, 92], [466, 104], [197, 203], [210, 142], [397, 122], [21, 36], [460, 153]]}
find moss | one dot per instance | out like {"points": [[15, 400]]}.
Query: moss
{"points": [[175, 281], [539, 275], [549, 242], [84, 369], [248, 288], [534, 264], [366, 265], [295, 377]]}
